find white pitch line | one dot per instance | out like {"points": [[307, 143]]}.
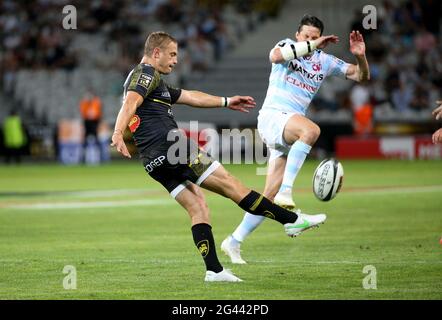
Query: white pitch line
{"points": [[351, 262], [96, 204], [106, 193], [85, 193], [151, 202]]}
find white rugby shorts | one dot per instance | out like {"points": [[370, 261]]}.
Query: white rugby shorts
{"points": [[271, 124]]}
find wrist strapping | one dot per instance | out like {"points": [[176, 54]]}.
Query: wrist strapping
{"points": [[225, 102], [297, 50]]}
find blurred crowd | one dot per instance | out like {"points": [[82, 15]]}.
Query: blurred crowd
{"points": [[31, 35], [404, 52], [405, 56]]}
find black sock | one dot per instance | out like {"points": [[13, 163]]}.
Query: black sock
{"points": [[257, 204], [203, 238]]}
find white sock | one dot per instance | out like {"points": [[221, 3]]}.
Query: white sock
{"points": [[249, 223], [295, 159]]}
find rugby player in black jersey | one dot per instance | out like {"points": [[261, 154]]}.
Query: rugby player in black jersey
{"points": [[147, 111]]}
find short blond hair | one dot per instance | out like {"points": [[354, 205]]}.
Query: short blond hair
{"points": [[158, 39]]}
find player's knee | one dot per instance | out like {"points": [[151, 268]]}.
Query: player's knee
{"points": [[311, 134]]}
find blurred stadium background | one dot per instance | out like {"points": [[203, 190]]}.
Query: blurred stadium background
{"points": [[390, 208], [46, 70]]}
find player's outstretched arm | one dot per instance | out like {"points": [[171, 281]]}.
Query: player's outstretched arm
{"points": [[286, 52], [361, 71], [200, 99], [132, 101]]}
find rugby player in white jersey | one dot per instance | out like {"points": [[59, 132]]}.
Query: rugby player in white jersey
{"points": [[298, 69]]}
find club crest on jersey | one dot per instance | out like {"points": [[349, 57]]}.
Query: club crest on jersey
{"points": [[144, 80], [316, 67], [203, 247], [134, 123]]}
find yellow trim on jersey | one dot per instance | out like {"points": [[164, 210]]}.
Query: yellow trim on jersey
{"points": [[160, 101]]}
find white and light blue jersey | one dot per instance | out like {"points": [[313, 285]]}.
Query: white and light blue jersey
{"points": [[293, 84]]}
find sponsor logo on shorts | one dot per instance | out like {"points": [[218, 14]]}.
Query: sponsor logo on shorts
{"points": [[149, 167]]}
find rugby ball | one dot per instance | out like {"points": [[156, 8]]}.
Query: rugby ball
{"points": [[327, 179]]}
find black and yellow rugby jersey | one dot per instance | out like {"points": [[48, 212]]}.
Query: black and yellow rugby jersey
{"points": [[153, 119]]}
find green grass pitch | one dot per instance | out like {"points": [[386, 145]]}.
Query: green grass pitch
{"points": [[128, 239]]}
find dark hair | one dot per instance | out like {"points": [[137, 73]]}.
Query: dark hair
{"points": [[308, 20], [157, 39]]}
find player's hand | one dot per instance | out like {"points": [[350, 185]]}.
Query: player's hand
{"points": [[437, 136], [357, 44], [242, 103], [118, 142], [323, 41], [437, 113]]}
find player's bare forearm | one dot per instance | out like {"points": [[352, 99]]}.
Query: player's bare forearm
{"points": [[359, 72], [124, 115], [363, 68], [203, 100], [130, 105], [199, 99]]}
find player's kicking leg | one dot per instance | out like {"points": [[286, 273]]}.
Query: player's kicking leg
{"points": [[223, 183], [192, 199]]}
